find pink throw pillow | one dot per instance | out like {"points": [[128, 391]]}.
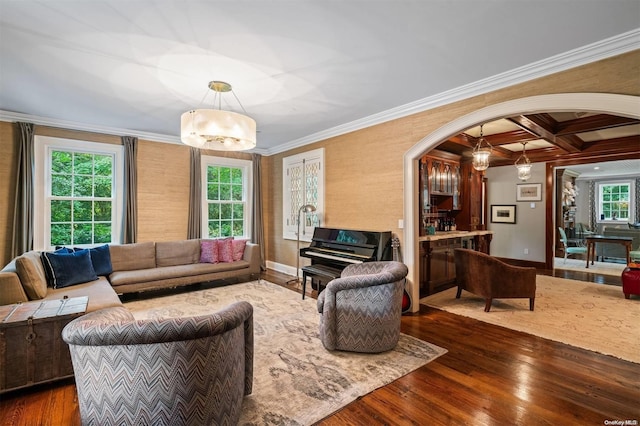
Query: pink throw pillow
{"points": [[209, 251], [225, 250], [238, 249]]}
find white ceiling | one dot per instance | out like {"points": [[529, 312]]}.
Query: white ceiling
{"points": [[603, 170], [303, 69]]}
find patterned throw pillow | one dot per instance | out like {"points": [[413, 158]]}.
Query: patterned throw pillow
{"points": [[209, 251], [225, 249], [238, 249]]}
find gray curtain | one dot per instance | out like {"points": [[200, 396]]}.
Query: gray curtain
{"points": [[130, 223], [22, 239], [194, 225], [257, 224]]}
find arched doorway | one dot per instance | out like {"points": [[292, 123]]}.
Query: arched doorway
{"points": [[623, 105]]}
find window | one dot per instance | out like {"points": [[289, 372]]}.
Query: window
{"points": [[303, 183], [78, 197], [614, 200], [227, 194]]}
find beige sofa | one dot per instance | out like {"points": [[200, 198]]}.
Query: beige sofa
{"points": [[136, 267]]}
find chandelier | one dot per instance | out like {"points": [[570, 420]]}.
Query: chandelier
{"points": [[217, 129], [481, 153], [523, 164]]}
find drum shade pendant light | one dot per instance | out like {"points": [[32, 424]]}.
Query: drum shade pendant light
{"points": [[481, 153], [523, 164], [217, 129]]}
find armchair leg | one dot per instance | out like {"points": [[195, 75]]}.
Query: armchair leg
{"points": [[459, 292], [531, 302], [487, 304]]}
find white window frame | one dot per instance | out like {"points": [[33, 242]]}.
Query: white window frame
{"points": [[43, 147], [631, 183], [247, 184], [290, 226]]}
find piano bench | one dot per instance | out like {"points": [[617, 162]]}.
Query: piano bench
{"points": [[323, 274]]}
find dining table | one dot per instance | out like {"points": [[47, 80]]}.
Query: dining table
{"points": [[592, 240]]}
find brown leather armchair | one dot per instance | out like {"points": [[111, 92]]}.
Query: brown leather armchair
{"points": [[489, 277]]}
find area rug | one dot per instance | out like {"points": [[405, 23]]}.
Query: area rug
{"points": [[596, 317], [580, 265], [296, 381]]}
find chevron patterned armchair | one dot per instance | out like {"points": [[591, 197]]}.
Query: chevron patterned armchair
{"points": [[181, 371], [361, 310]]}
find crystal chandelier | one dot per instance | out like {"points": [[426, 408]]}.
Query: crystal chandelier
{"points": [[481, 153], [217, 129], [523, 164]]}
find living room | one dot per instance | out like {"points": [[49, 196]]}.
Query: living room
{"points": [[370, 193]]}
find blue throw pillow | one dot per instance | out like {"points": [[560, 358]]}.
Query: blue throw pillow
{"points": [[47, 267], [101, 260], [69, 268]]}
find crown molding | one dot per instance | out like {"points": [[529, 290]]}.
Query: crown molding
{"points": [[83, 127], [622, 43], [603, 49]]}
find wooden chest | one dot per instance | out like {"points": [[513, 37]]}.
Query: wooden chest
{"points": [[31, 347]]}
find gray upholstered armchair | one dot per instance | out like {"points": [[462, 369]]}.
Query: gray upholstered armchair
{"points": [[187, 371], [361, 310]]}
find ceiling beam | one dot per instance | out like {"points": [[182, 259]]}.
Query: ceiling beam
{"points": [[543, 126], [607, 150], [592, 124]]}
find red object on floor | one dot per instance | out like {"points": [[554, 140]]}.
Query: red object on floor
{"points": [[630, 281]]}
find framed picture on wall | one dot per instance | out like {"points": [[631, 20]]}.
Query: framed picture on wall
{"points": [[503, 214], [529, 192]]}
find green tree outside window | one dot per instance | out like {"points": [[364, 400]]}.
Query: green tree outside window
{"points": [[81, 198]]}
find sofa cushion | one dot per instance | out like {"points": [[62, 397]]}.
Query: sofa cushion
{"points": [[129, 257], [69, 268], [31, 272], [172, 253], [100, 294], [118, 278], [209, 251]]}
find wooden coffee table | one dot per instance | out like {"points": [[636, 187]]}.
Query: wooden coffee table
{"points": [[593, 239], [31, 347]]}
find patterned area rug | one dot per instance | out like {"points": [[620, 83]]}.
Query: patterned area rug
{"points": [[590, 316], [580, 265], [296, 381]]}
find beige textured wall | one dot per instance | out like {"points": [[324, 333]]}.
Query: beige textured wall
{"points": [[363, 169]]}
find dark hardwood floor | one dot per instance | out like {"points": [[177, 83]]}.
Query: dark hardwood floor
{"points": [[489, 376]]}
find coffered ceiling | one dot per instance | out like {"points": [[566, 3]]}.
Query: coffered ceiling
{"points": [[567, 138], [305, 70]]}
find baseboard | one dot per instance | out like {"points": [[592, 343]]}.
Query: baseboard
{"points": [[281, 267]]}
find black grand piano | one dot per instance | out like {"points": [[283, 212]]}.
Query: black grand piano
{"points": [[332, 250]]}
